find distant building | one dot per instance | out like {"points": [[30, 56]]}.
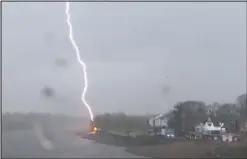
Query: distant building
{"points": [[243, 132], [228, 137], [158, 121], [244, 128], [209, 129], [158, 124]]}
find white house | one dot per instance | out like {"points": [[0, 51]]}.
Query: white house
{"points": [[158, 121], [208, 128], [159, 124]]}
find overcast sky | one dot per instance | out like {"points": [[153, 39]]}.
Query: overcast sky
{"points": [[141, 57]]}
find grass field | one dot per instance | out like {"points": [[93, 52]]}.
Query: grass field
{"points": [[190, 149]]}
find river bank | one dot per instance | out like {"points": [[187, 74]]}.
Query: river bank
{"points": [[180, 148], [159, 147], [153, 147], [176, 149], [190, 149]]}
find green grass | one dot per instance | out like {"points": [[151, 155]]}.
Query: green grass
{"points": [[237, 151]]}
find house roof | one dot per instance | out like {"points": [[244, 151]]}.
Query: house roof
{"points": [[216, 123], [161, 116]]}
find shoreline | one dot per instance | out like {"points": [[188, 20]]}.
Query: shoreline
{"points": [[166, 148], [176, 149], [180, 148], [190, 149]]}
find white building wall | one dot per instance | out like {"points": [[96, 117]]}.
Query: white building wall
{"points": [[157, 122], [151, 122]]}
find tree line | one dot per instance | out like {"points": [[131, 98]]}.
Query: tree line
{"points": [[184, 116], [121, 121]]}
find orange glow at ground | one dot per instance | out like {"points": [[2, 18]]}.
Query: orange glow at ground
{"points": [[93, 130]]}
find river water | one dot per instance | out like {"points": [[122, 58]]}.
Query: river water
{"points": [[25, 144]]}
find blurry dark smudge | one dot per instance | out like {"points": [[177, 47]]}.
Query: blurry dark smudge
{"points": [[62, 62], [48, 92]]}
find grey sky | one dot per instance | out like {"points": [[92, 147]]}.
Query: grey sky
{"points": [[132, 51]]}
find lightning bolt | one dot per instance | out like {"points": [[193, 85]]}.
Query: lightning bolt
{"points": [[83, 64]]}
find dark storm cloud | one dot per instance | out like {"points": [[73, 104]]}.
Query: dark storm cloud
{"points": [[130, 48]]}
